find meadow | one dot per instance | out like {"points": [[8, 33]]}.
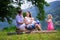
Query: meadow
{"points": [[33, 36]]}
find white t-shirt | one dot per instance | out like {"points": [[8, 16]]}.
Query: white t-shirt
{"points": [[28, 19]]}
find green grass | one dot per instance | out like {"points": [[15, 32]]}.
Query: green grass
{"points": [[34, 36]]}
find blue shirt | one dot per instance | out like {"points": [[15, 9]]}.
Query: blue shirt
{"points": [[19, 18]]}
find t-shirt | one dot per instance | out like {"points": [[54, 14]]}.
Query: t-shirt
{"points": [[28, 19], [19, 18]]}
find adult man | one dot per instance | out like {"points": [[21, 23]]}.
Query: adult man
{"points": [[20, 21]]}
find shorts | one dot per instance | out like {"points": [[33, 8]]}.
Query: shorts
{"points": [[30, 26], [22, 27]]}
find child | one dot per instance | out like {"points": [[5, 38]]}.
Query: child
{"points": [[50, 23]]}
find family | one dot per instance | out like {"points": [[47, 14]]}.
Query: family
{"points": [[28, 23]]}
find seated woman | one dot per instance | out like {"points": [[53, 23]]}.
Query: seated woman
{"points": [[31, 23]]}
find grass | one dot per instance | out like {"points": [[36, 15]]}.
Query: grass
{"points": [[35, 36]]}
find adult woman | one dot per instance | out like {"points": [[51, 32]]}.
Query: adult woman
{"points": [[30, 23]]}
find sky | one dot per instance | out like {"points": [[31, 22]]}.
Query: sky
{"points": [[29, 4], [51, 0]]}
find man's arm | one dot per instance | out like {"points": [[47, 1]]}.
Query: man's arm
{"points": [[19, 21]]}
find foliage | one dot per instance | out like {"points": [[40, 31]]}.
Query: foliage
{"points": [[40, 4], [24, 14], [9, 12], [3, 9], [12, 13], [11, 28]]}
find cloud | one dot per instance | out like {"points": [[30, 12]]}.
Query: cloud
{"points": [[50, 0]]}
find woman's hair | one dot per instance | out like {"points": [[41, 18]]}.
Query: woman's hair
{"points": [[29, 14], [20, 11]]}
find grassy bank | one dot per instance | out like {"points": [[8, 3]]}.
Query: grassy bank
{"points": [[35, 36]]}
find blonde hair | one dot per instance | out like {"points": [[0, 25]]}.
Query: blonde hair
{"points": [[49, 16]]}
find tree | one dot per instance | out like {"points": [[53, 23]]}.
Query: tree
{"points": [[3, 9], [40, 4], [7, 12]]}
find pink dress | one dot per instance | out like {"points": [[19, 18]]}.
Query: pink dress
{"points": [[50, 25]]}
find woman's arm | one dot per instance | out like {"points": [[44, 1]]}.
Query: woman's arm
{"points": [[25, 21], [33, 20]]}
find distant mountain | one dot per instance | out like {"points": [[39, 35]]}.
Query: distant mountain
{"points": [[52, 5], [54, 9]]}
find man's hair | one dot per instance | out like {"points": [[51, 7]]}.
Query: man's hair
{"points": [[20, 11]]}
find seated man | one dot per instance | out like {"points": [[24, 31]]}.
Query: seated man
{"points": [[20, 22]]}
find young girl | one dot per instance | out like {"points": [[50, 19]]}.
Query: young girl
{"points": [[50, 23]]}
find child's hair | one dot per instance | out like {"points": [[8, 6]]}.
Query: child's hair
{"points": [[49, 16]]}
